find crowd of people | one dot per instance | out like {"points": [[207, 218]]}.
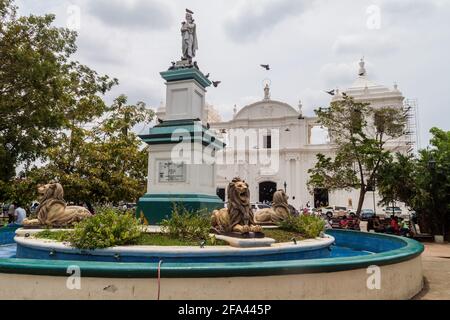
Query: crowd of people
{"points": [[394, 225]]}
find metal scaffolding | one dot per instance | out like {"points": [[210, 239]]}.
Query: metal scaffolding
{"points": [[411, 108]]}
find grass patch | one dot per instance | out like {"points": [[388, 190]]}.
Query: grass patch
{"points": [[145, 239], [159, 239], [281, 236], [61, 236]]}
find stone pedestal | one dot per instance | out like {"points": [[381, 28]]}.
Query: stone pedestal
{"points": [[185, 95], [180, 168]]}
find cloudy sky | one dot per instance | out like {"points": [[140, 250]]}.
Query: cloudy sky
{"points": [[311, 45]]}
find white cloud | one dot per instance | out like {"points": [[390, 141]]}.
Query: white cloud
{"points": [[312, 46], [408, 9], [338, 74], [368, 43], [253, 18], [134, 14]]}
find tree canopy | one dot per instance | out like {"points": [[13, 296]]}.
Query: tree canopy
{"points": [[42, 90], [104, 164], [360, 134], [55, 123], [422, 182]]}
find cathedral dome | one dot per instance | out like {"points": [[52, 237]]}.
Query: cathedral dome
{"points": [[266, 109], [365, 89]]}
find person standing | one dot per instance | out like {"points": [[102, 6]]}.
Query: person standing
{"points": [[394, 226], [343, 224], [19, 214], [11, 210], [370, 225]]}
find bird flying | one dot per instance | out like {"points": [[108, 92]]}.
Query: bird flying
{"points": [[265, 66], [331, 93], [216, 83]]}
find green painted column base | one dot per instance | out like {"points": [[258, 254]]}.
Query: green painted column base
{"points": [[157, 207]]}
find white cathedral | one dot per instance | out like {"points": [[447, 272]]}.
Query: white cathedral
{"points": [[296, 150]]}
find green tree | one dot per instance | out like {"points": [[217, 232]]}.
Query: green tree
{"points": [[423, 183], [41, 89], [396, 180], [437, 159], [107, 163], [360, 134], [20, 190]]}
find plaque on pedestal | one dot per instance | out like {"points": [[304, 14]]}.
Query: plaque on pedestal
{"points": [[169, 171]]}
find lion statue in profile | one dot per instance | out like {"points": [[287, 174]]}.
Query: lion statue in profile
{"points": [[280, 210], [53, 210], [238, 216]]}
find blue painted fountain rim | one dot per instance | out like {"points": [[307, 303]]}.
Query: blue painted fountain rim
{"points": [[409, 251]]}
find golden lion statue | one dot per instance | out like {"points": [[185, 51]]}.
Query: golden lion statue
{"points": [[279, 212], [238, 216], [53, 210]]}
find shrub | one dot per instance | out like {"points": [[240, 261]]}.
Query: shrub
{"points": [[186, 225], [108, 228], [308, 226]]}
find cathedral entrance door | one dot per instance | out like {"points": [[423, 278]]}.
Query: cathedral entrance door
{"points": [[266, 191], [321, 198], [221, 193]]}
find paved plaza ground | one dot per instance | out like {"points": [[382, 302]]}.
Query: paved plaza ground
{"points": [[436, 267]]}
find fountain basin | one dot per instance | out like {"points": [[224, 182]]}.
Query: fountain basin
{"points": [[30, 248], [345, 275]]}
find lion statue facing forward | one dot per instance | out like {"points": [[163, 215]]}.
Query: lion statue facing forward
{"points": [[280, 210], [53, 210], [238, 216]]}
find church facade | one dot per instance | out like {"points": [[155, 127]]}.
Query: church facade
{"points": [[283, 135]]}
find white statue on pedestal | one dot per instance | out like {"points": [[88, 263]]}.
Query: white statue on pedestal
{"points": [[189, 37], [267, 92]]}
